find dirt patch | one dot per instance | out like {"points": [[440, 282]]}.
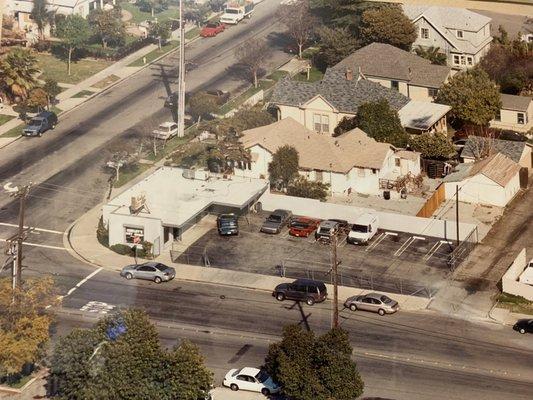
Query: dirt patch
{"points": [[105, 82]]}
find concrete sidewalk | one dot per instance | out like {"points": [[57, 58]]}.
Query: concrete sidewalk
{"points": [[80, 240]]}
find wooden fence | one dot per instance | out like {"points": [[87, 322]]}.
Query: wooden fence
{"points": [[432, 203]]}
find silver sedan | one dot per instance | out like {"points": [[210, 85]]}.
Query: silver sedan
{"points": [[152, 271], [374, 302]]}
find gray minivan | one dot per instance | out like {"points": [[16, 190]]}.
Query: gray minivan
{"points": [[306, 290]]}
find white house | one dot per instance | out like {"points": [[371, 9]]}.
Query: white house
{"points": [[349, 162], [476, 148], [394, 68], [516, 113], [165, 204], [492, 181], [463, 35], [320, 106]]}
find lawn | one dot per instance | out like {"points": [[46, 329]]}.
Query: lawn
{"points": [[155, 54], [236, 102], [139, 16], [5, 118], [515, 304], [83, 94], [14, 132], [56, 69], [126, 176], [314, 76], [277, 75], [105, 82], [191, 34]]}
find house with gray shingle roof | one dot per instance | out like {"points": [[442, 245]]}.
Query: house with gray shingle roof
{"points": [[394, 68], [515, 114], [463, 35], [476, 148], [320, 106]]}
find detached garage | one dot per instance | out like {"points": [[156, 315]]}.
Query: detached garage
{"points": [[493, 181]]}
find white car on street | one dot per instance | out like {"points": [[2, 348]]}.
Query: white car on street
{"points": [[165, 131], [252, 379]]}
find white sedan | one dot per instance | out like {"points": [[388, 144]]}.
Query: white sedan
{"points": [[165, 131], [252, 379]]}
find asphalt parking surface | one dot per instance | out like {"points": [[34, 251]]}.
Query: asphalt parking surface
{"points": [[393, 261]]}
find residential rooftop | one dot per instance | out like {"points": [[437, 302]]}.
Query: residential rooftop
{"points": [[515, 103], [421, 115], [476, 146], [386, 61]]}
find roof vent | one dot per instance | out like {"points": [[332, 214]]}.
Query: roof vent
{"points": [[349, 74]]}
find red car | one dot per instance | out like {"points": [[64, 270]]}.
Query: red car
{"points": [[212, 29], [303, 226]]}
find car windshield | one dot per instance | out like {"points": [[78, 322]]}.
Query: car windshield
{"points": [[360, 228], [231, 11], [35, 122], [385, 299], [161, 267], [262, 376], [227, 222], [211, 25], [274, 218], [299, 224]]}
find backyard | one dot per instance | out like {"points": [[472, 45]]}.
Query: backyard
{"points": [[56, 69]]}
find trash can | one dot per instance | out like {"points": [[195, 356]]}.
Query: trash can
{"points": [[386, 194]]}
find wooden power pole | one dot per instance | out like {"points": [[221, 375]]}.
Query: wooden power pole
{"points": [[457, 212], [334, 270]]}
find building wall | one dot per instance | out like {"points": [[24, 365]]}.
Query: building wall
{"points": [[435, 39], [259, 167], [509, 120], [420, 93], [116, 223], [481, 190], [510, 283]]}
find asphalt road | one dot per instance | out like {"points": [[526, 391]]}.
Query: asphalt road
{"points": [[402, 356]]}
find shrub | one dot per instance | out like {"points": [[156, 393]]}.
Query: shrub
{"points": [[122, 249], [102, 233]]}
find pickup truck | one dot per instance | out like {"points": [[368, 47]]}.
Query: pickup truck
{"points": [[40, 124], [236, 11], [275, 221]]}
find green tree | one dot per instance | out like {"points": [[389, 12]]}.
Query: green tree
{"points": [[432, 54], [335, 44], [387, 24], [107, 26], [253, 54], [433, 145], [74, 32], [52, 89], [202, 104], [284, 166], [299, 22], [25, 323], [160, 31], [473, 97], [37, 99], [121, 358], [42, 15], [346, 124], [314, 368], [18, 73], [302, 187], [379, 121], [152, 6]]}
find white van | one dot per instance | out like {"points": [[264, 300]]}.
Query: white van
{"points": [[363, 229]]}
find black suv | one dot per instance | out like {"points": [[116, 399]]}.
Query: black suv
{"points": [[228, 224], [302, 290], [40, 124]]}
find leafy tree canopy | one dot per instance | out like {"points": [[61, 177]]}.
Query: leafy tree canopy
{"points": [[284, 166], [335, 44], [107, 26], [302, 187], [19, 71], [202, 104], [473, 97], [433, 145], [379, 121], [387, 24], [432, 54], [74, 32]]}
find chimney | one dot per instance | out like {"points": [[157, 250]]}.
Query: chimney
{"points": [[349, 74]]}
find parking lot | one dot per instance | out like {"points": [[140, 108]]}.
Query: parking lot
{"points": [[392, 261]]}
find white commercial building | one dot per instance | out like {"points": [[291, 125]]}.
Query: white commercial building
{"points": [[165, 204]]}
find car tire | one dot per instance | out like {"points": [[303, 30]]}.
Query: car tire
{"points": [[234, 387], [353, 307], [522, 331], [310, 301], [265, 392], [40, 134], [129, 276], [280, 297], [157, 279], [381, 312]]}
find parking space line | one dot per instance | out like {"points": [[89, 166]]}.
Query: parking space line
{"points": [[343, 242], [434, 249], [406, 244], [379, 239]]}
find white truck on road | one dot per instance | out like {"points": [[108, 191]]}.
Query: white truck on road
{"points": [[236, 10]]}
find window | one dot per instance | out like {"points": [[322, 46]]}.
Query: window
{"points": [[321, 123], [361, 172], [395, 85], [424, 33], [374, 171], [498, 116], [147, 268], [520, 118], [459, 34], [432, 92], [456, 59], [397, 162], [131, 233], [470, 60]]}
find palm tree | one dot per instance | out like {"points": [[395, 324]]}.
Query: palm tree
{"points": [[18, 73], [42, 15], [433, 54]]}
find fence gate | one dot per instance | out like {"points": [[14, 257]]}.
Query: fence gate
{"points": [[461, 252], [524, 177], [432, 203]]}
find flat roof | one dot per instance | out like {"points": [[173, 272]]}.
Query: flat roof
{"points": [[174, 198], [422, 115]]}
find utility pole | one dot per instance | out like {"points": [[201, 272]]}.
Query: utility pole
{"points": [[181, 77], [334, 270], [2, 6], [457, 212]]}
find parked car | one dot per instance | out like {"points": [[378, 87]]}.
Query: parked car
{"points": [[363, 229], [252, 379], [374, 302], [276, 221], [165, 131], [326, 230], [228, 224], [221, 96], [171, 101], [524, 326], [41, 123], [344, 226], [303, 226], [212, 29], [306, 290], [152, 271]]}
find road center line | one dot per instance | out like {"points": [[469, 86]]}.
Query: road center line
{"points": [[36, 229], [46, 246]]}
